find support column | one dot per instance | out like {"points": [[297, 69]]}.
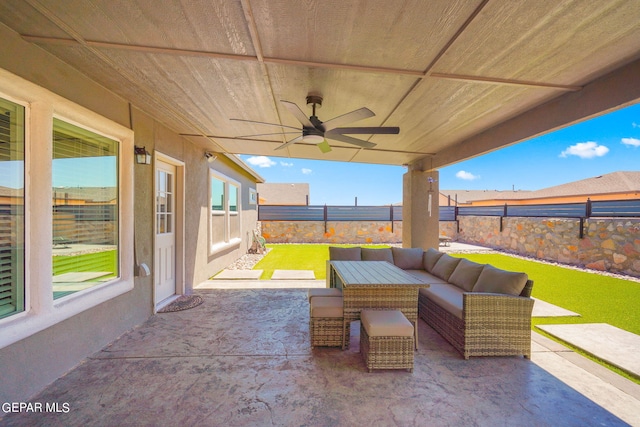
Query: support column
{"points": [[420, 209]]}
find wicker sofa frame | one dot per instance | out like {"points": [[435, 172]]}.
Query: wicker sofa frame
{"points": [[491, 325]]}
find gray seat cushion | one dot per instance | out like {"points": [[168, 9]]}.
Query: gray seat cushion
{"points": [[383, 254], [449, 297], [445, 266], [407, 258], [499, 281], [466, 274], [386, 323], [429, 259], [344, 254]]}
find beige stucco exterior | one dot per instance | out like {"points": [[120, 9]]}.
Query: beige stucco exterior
{"points": [[48, 339]]}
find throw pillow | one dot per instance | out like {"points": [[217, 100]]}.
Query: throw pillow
{"points": [[429, 259], [407, 258], [466, 274], [384, 254], [445, 266], [344, 254], [499, 281]]}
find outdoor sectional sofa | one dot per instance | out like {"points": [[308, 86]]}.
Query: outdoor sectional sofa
{"points": [[481, 310]]}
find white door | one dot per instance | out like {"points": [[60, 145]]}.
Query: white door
{"points": [[165, 254]]}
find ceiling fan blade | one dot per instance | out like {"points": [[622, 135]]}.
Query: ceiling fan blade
{"points": [[293, 141], [350, 140], [354, 116], [324, 146], [366, 131], [297, 113], [267, 134], [263, 123]]}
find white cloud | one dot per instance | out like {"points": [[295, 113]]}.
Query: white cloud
{"points": [[634, 142], [261, 161], [635, 125], [306, 171], [585, 150], [467, 176], [285, 164]]}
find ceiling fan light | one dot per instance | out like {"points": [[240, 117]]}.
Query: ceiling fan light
{"points": [[313, 139]]}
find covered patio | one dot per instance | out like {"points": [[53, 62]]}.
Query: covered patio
{"points": [[197, 83], [242, 358]]}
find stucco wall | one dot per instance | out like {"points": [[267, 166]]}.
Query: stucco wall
{"points": [[33, 362], [336, 231], [609, 244]]}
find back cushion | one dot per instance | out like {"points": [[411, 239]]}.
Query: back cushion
{"points": [[466, 274], [407, 258], [383, 254], [429, 259], [499, 281], [344, 254], [445, 266]]}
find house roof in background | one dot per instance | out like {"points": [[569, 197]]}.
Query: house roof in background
{"points": [[283, 193], [465, 196], [621, 182]]}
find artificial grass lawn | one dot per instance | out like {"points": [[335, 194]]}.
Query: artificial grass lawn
{"points": [[299, 257]]}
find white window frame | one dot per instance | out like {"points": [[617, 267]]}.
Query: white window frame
{"points": [[229, 241], [41, 310]]}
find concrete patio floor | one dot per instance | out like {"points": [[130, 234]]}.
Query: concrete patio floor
{"points": [[242, 358]]}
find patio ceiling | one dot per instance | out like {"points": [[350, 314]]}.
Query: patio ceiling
{"points": [[459, 77]]}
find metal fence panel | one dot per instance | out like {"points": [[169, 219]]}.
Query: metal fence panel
{"points": [[622, 208], [397, 213], [290, 213], [358, 213], [566, 210], [447, 213], [481, 211]]}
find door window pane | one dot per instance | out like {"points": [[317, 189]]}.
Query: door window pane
{"points": [[11, 208], [85, 209]]}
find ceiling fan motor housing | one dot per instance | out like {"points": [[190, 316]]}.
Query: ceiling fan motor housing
{"points": [[312, 135]]}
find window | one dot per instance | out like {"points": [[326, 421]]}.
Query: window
{"points": [[85, 209], [234, 217], [12, 251], [218, 212], [66, 209], [225, 211]]}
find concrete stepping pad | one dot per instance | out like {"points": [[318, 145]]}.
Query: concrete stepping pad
{"points": [[545, 309], [614, 345], [293, 275], [238, 275]]}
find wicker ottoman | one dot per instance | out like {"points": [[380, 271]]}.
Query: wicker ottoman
{"points": [[386, 340], [326, 322]]}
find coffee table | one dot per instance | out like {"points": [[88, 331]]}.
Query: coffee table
{"points": [[375, 285]]}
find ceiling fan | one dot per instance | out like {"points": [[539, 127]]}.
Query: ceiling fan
{"points": [[317, 132]]}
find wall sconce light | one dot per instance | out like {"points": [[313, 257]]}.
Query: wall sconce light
{"points": [[142, 156], [210, 156]]}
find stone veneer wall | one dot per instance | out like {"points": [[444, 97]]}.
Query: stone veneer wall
{"points": [[336, 231], [609, 244]]}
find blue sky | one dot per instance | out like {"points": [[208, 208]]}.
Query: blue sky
{"points": [[595, 147]]}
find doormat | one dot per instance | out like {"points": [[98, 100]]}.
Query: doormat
{"points": [[184, 302]]}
